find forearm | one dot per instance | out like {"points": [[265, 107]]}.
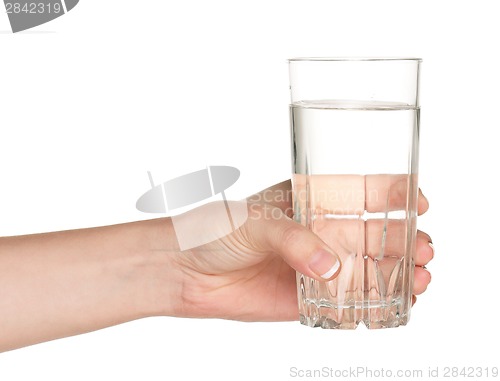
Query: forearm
{"points": [[66, 283]]}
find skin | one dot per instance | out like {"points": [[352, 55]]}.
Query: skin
{"points": [[60, 284]]}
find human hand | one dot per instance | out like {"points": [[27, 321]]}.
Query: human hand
{"points": [[249, 274], [65, 283]]}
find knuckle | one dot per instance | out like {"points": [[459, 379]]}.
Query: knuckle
{"points": [[291, 236]]}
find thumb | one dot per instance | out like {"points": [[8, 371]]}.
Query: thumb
{"points": [[299, 247]]}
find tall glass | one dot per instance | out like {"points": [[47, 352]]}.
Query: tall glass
{"points": [[354, 130]]}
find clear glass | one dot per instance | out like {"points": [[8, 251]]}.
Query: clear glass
{"points": [[354, 130]]}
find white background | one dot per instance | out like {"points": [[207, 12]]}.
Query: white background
{"points": [[91, 101]]}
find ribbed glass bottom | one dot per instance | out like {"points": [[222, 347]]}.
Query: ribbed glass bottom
{"points": [[353, 323], [373, 313], [372, 316]]}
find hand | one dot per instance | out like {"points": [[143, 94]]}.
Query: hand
{"points": [[249, 274], [66, 283]]}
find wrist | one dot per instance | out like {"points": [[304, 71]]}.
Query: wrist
{"points": [[159, 269]]}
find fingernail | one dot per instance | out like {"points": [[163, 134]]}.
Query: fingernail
{"points": [[432, 247], [324, 264]]}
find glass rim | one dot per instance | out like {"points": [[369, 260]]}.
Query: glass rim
{"points": [[353, 59]]}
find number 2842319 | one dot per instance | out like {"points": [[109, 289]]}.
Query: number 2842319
{"points": [[33, 8]]}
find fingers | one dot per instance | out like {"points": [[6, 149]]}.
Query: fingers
{"points": [[385, 193], [423, 203], [376, 238], [355, 194], [298, 246], [383, 241], [346, 193], [425, 249], [330, 194], [424, 254], [385, 237], [422, 278]]}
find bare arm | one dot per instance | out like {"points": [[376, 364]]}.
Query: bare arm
{"points": [[66, 283]]}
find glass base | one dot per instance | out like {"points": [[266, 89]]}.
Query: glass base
{"points": [[350, 318]]}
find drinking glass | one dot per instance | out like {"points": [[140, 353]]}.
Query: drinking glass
{"points": [[354, 133]]}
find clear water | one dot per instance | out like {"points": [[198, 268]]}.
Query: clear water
{"points": [[355, 185]]}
